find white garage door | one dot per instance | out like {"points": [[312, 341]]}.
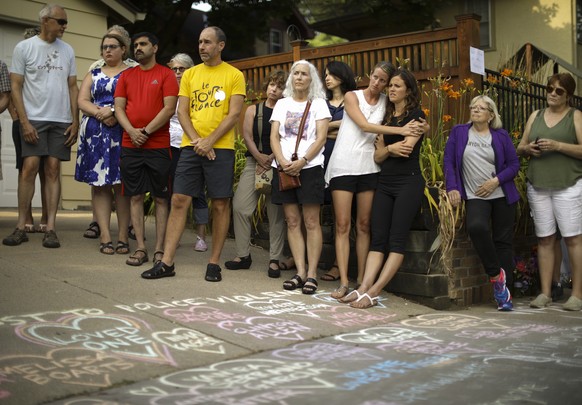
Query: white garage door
{"points": [[10, 35]]}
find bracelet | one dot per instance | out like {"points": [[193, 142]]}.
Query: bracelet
{"points": [[306, 161]]}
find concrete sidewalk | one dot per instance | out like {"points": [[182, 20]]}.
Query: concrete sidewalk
{"points": [[80, 327]]}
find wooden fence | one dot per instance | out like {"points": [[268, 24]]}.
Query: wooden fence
{"points": [[429, 53]]}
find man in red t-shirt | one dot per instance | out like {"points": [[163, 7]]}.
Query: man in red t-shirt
{"points": [[145, 100]]}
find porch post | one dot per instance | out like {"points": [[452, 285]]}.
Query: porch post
{"points": [[467, 36], [297, 45]]}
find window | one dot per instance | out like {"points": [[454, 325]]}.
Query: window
{"points": [[579, 21], [275, 41], [482, 8]]}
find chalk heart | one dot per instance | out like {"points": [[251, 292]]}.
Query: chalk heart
{"points": [[318, 353], [384, 335], [184, 339], [264, 327], [295, 307], [117, 334], [69, 364], [149, 392], [242, 374]]}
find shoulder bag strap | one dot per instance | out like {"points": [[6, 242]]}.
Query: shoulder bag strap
{"points": [[260, 125], [301, 125]]}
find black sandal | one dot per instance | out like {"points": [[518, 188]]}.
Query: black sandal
{"points": [[122, 248], [158, 271], [294, 283], [309, 289], [274, 273], [93, 232], [106, 248]]}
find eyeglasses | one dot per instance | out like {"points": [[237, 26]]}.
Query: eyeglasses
{"points": [[559, 91], [180, 69], [478, 108], [112, 47], [60, 21]]}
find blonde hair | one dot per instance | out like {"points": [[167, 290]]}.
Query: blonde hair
{"points": [[495, 123]]}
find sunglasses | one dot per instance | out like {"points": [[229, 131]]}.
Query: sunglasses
{"points": [[60, 21], [559, 91], [112, 47], [180, 69]]}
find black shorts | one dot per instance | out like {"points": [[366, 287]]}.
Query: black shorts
{"points": [[144, 170], [310, 192], [193, 171], [354, 184]]}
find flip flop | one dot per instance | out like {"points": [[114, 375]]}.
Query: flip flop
{"points": [[340, 292], [346, 298], [372, 301]]}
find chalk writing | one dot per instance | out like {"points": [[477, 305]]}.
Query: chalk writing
{"points": [[515, 332], [533, 353], [202, 314], [279, 306], [120, 335], [453, 322], [385, 370], [233, 396], [262, 327], [254, 297], [184, 339], [68, 366], [417, 392], [525, 393], [384, 334], [345, 316], [430, 347], [16, 320], [324, 352], [145, 306]]}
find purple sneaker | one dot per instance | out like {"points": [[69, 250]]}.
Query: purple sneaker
{"points": [[200, 245], [501, 293]]}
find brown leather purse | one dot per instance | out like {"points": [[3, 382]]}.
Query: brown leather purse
{"points": [[286, 181]]}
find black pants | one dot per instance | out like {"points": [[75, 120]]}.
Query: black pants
{"points": [[490, 225], [396, 202]]}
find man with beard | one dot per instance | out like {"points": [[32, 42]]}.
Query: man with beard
{"points": [[211, 99], [145, 99]]}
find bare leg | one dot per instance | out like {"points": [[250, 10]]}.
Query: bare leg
{"points": [[52, 171], [314, 237], [176, 224], [557, 261], [363, 230], [220, 224], [295, 237], [574, 245], [122, 211], [546, 262], [43, 200], [30, 167], [102, 200], [342, 206], [136, 208], [29, 218], [161, 221]]}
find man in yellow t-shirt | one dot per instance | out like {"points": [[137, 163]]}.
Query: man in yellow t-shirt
{"points": [[210, 101]]}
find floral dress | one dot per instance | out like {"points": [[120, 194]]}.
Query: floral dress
{"points": [[99, 150]]}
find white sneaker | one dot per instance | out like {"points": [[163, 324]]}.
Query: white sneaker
{"points": [[200, 245], [573, 304], [541, 301]]}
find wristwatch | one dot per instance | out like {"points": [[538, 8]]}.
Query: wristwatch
{"points": [[112, 109]]}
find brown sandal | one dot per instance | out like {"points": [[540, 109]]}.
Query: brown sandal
{"points": [[138, 258]]}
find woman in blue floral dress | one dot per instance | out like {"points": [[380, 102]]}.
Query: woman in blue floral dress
{"points": [[99, 148]]}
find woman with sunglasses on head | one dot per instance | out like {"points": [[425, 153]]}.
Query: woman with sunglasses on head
{"points": [[179, 64], [553, 140], [480, 164], [99, 150]]}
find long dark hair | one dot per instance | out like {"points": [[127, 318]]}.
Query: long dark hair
{"points": [[412, 98], [344, 73]]}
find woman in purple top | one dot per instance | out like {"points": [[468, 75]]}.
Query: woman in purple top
{"points": [[480, 164]]}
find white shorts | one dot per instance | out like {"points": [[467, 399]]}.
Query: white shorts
{"points": [[562, 206]]}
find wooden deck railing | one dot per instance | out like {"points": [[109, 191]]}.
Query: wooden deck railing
{"points": [[429, 53]]}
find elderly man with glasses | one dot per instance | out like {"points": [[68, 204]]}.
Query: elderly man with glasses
{"points": [[44, 93]]}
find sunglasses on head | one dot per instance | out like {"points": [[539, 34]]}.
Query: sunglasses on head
{"points": [[559, 91], [60, 21]]}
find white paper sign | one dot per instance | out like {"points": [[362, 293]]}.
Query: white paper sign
{"points": [[477, 61]]}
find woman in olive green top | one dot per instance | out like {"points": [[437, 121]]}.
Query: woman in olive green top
{"points": [[553, 140]]}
